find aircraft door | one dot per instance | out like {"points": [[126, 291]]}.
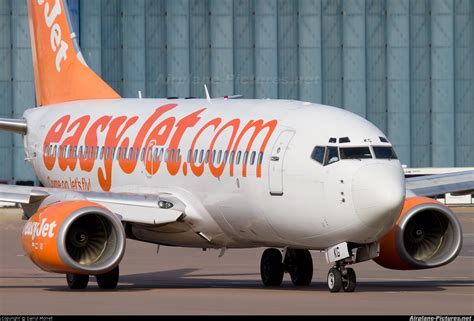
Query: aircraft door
{"points": [[277, 159]]}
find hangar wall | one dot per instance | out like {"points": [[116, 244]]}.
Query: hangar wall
{"points": [[406, 65]]}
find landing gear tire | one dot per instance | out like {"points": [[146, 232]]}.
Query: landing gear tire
{"points": [[299, 264], [349, 280], [109, 280], [334, 280], [77, 281], [271, 267]]}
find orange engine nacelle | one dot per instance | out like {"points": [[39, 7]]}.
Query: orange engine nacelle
{"points": [[427, 235], [74, 237]]}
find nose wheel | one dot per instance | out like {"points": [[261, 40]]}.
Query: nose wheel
{"points": [[340, 277]]}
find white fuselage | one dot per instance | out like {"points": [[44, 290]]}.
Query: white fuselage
{"points": [[281, 197]]}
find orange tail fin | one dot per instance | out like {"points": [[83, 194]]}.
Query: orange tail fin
{"points": [[61, 73]]}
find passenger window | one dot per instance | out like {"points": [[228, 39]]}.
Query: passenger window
{"points": [[219, 157], [213, 156], [318, 154], [239, 155], [207, 156], [166, 155], [252, 158], [172, 156], [332, 155], [260, 158], [201, 156], [148, 154], [155, 154], [226, 155], [102, 153], [195, 157], [160, 156], [246, 157], [189, 156], [142, 156], [231, 158], [355, 153]]}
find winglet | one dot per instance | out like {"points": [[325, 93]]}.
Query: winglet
{"points": [[61, 73]]}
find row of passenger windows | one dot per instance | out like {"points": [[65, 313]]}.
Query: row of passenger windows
{"points": [[154, 154], [328, 155]]}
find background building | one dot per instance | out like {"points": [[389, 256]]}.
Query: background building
{"points": [[407, 66]]}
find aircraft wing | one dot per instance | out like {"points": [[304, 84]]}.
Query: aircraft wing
{"points": [[460, 183], [150, 209]]}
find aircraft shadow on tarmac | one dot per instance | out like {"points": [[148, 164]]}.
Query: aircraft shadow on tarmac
{"points": [[189, 279]]}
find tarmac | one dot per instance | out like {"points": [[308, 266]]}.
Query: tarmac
{"points": [[181, 281]]}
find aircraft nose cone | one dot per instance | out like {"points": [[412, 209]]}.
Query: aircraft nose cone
{"points": [[378, 192]]}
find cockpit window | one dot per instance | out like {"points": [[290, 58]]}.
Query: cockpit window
{"points": [[355, 153], [318, 154], [332, 155], [384, 153]]}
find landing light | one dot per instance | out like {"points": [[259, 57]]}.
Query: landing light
{"points": [[165, 205]]}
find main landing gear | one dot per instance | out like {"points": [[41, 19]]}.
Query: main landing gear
{"points": [[106, 281], [298, 263]]}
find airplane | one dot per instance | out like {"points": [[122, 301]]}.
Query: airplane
{"points": [[288, 176]]}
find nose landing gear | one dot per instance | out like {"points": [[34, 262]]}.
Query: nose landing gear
{"points": [[340, 277]]}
